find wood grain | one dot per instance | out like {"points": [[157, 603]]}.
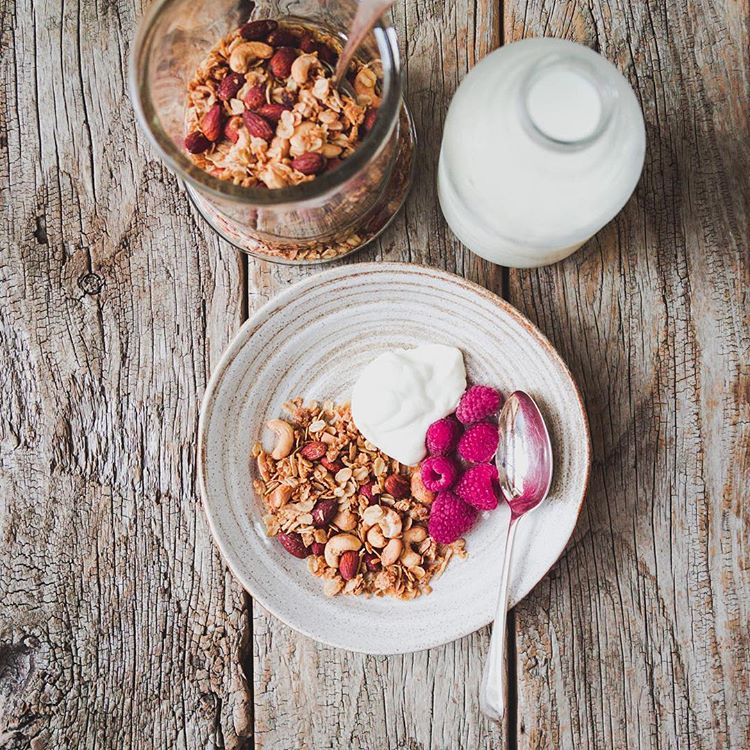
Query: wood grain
{"points": [[119, 627], [639, 637]]}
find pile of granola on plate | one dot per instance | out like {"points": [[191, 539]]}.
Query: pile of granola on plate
{"points": [[357, 516], [262, 111]]}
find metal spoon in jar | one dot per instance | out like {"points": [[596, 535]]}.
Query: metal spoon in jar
{"points": [[368, 14], [524, 464]]}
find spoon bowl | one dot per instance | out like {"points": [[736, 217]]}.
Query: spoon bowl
{"points": [[524, 454]]}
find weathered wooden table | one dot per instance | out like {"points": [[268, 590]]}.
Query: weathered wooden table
{"points": [[119, 625]]}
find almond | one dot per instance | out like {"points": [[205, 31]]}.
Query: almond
{"points": [[229, 87], [196, 142], [349, 564], [257, 126], [255, 97], [212, 123], [282, 38], [293, 544], [255, 31], [332, 466], [323, 513], [397, 486], [313, 451], [231, 129], [272, 112], [281, 63], [309, 163], [370, 118]]}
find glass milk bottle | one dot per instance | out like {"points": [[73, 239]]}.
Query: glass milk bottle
{"points": [[543, 144]]}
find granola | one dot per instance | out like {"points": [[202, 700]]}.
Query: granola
{"points": [[262, 111], [356, 515]]}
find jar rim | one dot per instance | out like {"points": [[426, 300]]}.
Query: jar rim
{"points": [[176, 159]]}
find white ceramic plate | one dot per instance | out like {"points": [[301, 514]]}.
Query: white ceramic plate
{"points": [[311, 341]]}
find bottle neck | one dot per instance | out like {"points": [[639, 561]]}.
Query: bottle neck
{"points": [[565, 104]]}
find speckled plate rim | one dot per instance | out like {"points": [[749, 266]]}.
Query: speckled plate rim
{"points": [[241, 339]]}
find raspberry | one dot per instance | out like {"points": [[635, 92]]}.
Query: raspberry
{"points": [[450, 518], [479, 443], [438, 473], [478, 402], [478, 486], [442, 436]]}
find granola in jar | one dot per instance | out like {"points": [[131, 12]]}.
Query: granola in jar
{"points": [[262, 111]]}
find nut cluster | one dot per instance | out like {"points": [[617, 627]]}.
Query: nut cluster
{"points": [[357, 516], [262, 112]]}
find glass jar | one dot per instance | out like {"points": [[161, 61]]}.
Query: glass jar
{"points": [[330, 216]]}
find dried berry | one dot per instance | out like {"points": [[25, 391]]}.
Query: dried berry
{"points": [[371, 561], [397, 486], [323, 513], [196, 142], [318, 548]]}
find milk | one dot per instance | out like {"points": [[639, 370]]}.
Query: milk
{"points": [[543, 145]]}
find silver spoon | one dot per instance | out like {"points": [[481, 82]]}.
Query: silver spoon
{"points": [[368, 14], [524, 465]]}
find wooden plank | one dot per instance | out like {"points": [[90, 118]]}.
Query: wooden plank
{"points": [[307, 695], [639, 636], [119, 627]]}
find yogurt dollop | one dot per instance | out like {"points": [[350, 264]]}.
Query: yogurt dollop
{"points": [[402, 392]]}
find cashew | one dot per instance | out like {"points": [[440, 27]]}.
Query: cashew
{"points": [[418, 491], [264, 468], [337, 545], [390, 524], [409, 558], [416, 534], [280, 496], [375, 537], [301, 67], [243, 54], [345, 520], [391, 552], [372, 514], [284, 438]]}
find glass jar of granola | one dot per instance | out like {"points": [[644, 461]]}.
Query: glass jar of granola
{"points": [[279, 163]]}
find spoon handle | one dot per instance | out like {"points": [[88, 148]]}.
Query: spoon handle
{"points": [[368, 14], [492, 692]]}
